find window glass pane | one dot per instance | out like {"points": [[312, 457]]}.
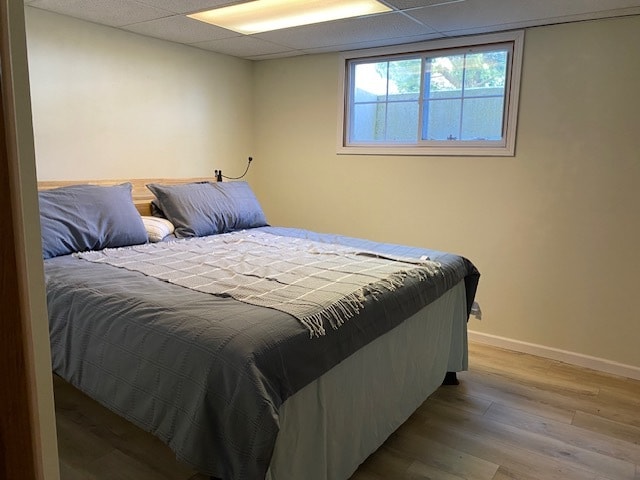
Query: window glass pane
{"points": [[370, 82], [404, 79], [482, 119], [444, 76], [368, 124], [485, 70], [402, 121], [461, 79], [442, 120]]}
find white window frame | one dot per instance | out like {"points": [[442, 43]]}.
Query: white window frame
{"points": [[506, 147]]}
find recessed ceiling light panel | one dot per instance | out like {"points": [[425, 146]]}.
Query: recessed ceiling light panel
{"points": [[265, 15]]}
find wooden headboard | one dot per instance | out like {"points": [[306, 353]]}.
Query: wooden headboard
{"points": [[141, 195]]}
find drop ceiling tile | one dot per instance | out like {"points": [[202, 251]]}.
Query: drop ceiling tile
{"points": [[475, 16], [348, 31], [181, 29], [404, 4], [272, 56], [546, 21], [190, 6], [115, 13], [242, 46], [457, 16], [376, 43]]}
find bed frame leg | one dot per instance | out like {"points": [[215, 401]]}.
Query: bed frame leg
{"points": [[451, 379]]}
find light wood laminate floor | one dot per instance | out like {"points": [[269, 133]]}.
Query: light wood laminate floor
{"points": [[513, 416]]}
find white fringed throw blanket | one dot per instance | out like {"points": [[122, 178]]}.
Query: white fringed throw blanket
{"points": [[314, 282]]}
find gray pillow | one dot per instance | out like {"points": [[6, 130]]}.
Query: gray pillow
{"points": [[88, 217], [205, 208]]}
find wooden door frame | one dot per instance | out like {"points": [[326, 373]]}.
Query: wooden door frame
{"points": [[26, 399], [18, 444]]}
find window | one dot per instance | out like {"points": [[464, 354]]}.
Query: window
{"points": [[446, 97]]}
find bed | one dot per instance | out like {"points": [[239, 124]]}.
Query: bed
{"points": [[253, 351]]}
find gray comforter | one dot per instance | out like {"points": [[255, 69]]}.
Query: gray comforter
{"points": [[206, 373]]}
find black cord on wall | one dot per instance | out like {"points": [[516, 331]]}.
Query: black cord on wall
{"points": [[220, 176]]}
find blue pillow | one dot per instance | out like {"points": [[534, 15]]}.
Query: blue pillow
{"points": [[205, 208], [88, 217]]}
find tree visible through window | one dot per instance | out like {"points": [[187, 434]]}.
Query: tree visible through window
{"points": [[455, 97]]}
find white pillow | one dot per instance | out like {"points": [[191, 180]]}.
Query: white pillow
{"points": [[157, 228]]}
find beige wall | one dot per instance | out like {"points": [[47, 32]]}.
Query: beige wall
{"points": [[112, 104], [554, 230]]}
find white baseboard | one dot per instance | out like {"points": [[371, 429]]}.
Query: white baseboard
{"points": [[595, 363]]}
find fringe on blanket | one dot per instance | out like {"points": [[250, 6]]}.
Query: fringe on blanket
{"points": [[349, 306]]}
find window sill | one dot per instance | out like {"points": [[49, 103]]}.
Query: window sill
{"points": [[470, 151]]}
